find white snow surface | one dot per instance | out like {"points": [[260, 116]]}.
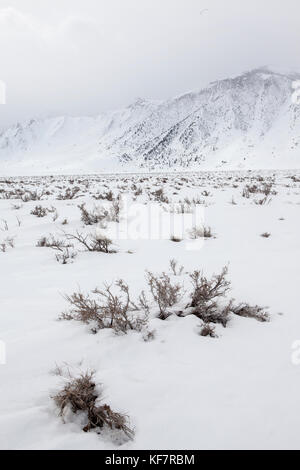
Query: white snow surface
{"points": [[248, 122], [181, 390]]}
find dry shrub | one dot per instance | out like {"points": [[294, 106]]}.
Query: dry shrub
{"points": [[10, 241], [208, 330], [32, 196], [92, 242], [164, 293], [266, 235], [80, 395], [83, 308], [176, 270], [206, 297], [149, 335], [69, 194], [5, 226], [52, 242], [248, 311], [117, 308], [200, 232], [65, 253], [264, 201], [115, 210], [43, 242], [109, 196], [181, 208], [160, 196], [94, 217], [113, 310], [65, 256], [39, 211], [175, 239]]}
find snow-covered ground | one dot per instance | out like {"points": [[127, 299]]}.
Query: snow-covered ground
{"points": [[180, 390]]}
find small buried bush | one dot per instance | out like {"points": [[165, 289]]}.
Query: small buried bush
{"points": [[248, 311], [115, 210], [65, 255], [69, 194], [81, 395], [93, 242], [208, 330], [206, 297], [8, 242], [200, 232], [160, 196], [32, 196], [39, 211], [266, 189], [52, 242], [43, 242], [176, 270], [164, 293], [175, 239], [91, 218]]}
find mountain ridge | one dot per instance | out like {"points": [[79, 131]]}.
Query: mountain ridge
{"points": [[250, 121]]}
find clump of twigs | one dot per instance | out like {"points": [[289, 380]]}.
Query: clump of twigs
{"points": [[208, 330], [39, 211], [164, 293], [175, 268], [248, 311], [81, 395], [206, 297], [200, 232], [104, 308], [92, 242], [91, 217]]}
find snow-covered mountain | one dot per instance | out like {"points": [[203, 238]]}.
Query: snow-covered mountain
{"points": [[251, 121]]}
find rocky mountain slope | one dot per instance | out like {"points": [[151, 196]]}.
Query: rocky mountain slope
{"points": [[251, 121]]}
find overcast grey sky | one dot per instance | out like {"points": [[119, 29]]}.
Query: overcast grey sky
{"points": [[81, 57]]}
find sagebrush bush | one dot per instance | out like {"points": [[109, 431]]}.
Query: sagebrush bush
{"points": [[266, 235], [160, 196], [206, 297], [176, 270], [31, 196], [208, 330], [106, 309], [8, 242], [52, 242], [248, 311], [115, 210], [92, 242], [92, 217], [70, 193], [65, 256], [200, 232], [39, 211], [164, 293], [81, 395], [175, 239]]}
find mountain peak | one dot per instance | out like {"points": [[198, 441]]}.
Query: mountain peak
{"points": [[249, 121]]}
